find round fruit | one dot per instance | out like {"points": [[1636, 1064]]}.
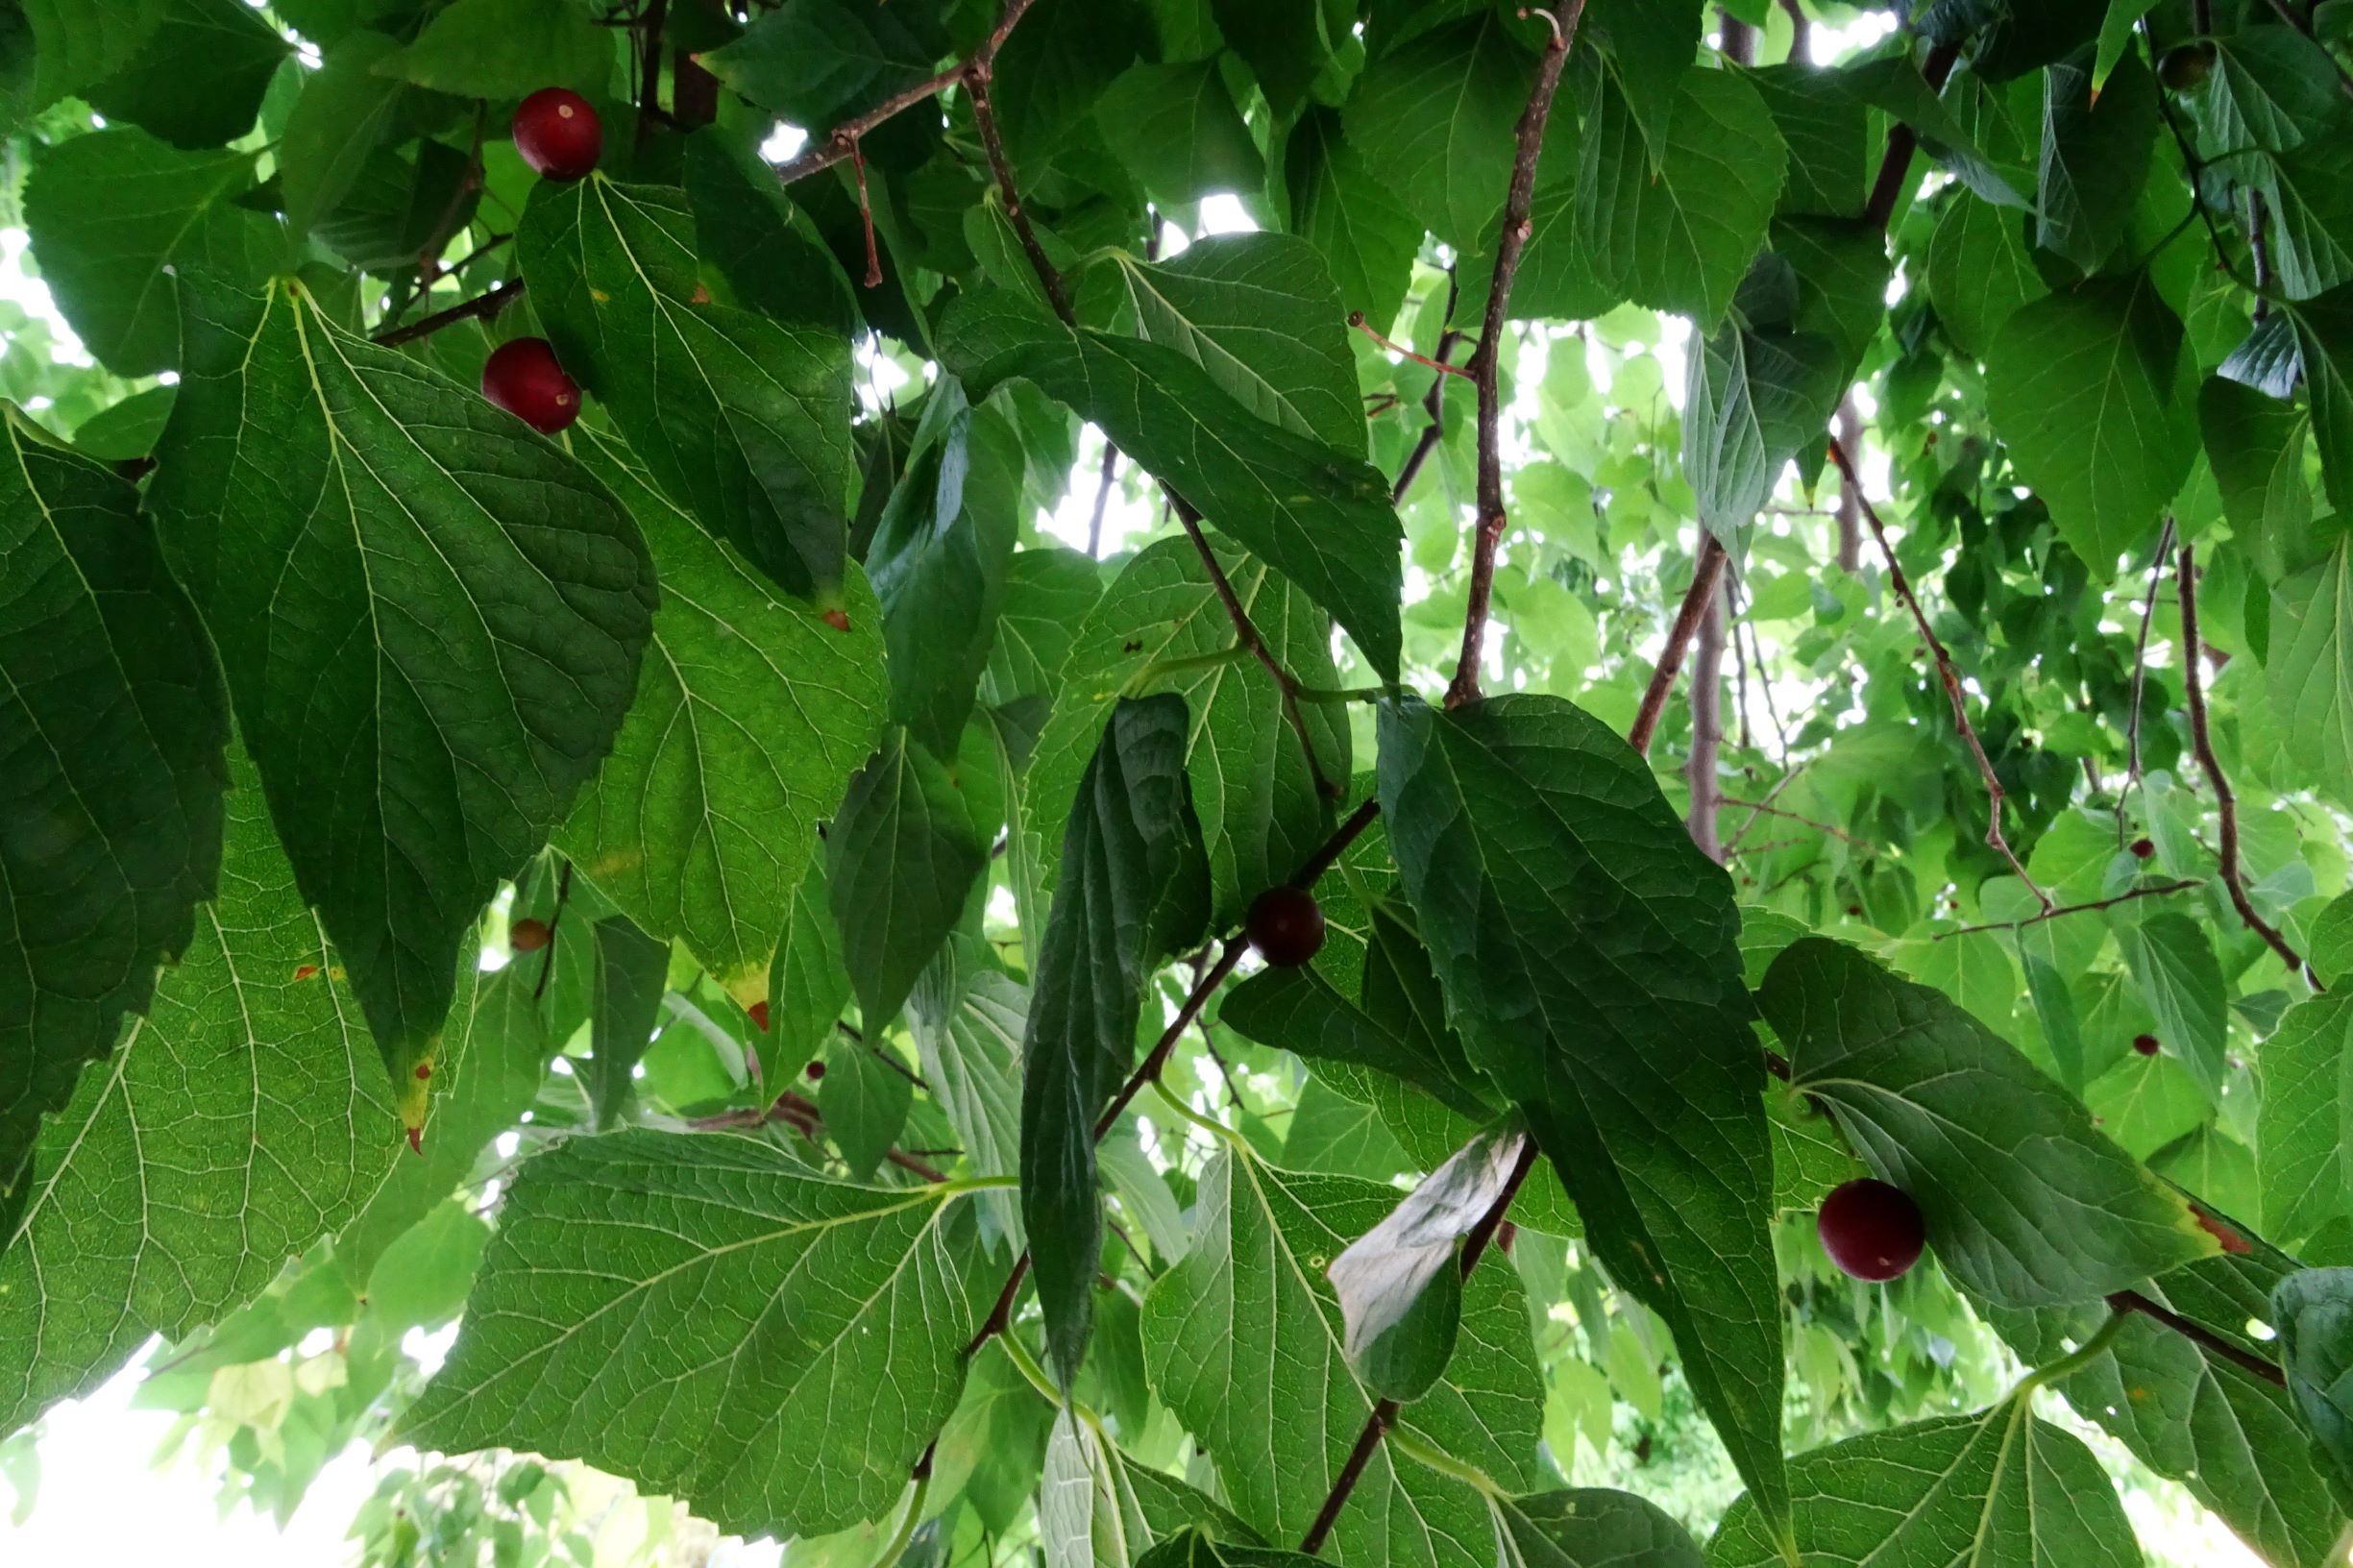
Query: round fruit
{"points": [[1871, 1230], [758, 1011], [2142, 849], [524, 379], [816, 1070], [2184, 66], [2145, 1045], [527, 934], [557, 134], [1285, 925]]}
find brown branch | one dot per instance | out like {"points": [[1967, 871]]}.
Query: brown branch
{"points": [[1102, 498], [866, 216], [1768, 808], [1800, 34], [1849, 428], [2226, 798], [2157, 892], [837, 142], [2139, 671], [555, 919], [1384, 1411], [1896, 165], [1433, 403], [1945, 673], [802, 1116], [481, 307], [1336, 845], [1706, 574], [1511, 244], [2198, 1335], [977, 74], [1356, 319], [1707, 698]]}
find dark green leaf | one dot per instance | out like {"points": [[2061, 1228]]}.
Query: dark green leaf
{"points": [[864, 1101], [901, 858], [345, 110], [1293, 48], [1436, 120], [1587, 1527], [1176, 128], [1752, 401], [1315, 514], [199, 105], [75, 44], [2324, 330], [741, 420], [807, 986], [1978, 272], [2172, 964], [2304, 1127], [2256, 447], [112, 719], [631, 970], [797, 1282], [1823, 128], [821, 62], [2096, 145], [967, 1025], [1649, 45], [1366, 238], [2027, 1203], [429, 617], [2312, 1313], [1048, 594], [2310, 675], [505, 49], [1542, 863], [1135, 887]]}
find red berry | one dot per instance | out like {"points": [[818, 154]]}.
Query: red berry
{"points": [[758, 1011], [1285, 925], [2145, 1045], [837, 619], [557, 134], [2142, 849], [524, 379], [527, 934], [815, 1070], [1871, 1230]]}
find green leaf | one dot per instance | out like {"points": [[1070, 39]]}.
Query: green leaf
{"points": [[750, 715], [1678, 235], [1752, 401], [1055, 65], [1258, 811], [1134, 888], [2027, 1203], [2304, 1126], [1979, 274], [741, 420], [820, 62], [105, 260], [505, 49], [1291, 49], [158, 91], [113, 720], [2324, 330], [1298, 1011], [1260, 314], [797, 1282], [2269, 85], [1543, 864], [1317, 515], [2311, 208], [395, 208], [2173, 967], [430, 618], [1177, 131], [344, 112], [2082, 386], [1048, 594], [2312, 1311], [1436, 120], [241, 1120], [1195, 1548], [864, 1102], [807, 986], [1989, 1490], [939, 558], [1823, 129], [1337, 205], [2256, 447], [900, 860], [1589, 1527], [2096, 145], [76, 44], [968, 1026], [1649, 45], [1278, 1408], [1098, 1510], [2310, 675], [631, 970]]}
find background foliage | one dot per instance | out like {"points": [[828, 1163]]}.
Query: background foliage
{"points": [[1049, 473]]}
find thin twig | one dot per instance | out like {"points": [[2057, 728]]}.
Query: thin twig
{"points": [[1766, 808], [1706, 572], [1896, 165], [2198, 1335], [837, 142], [1384, 1411], [481, 307], [555, 918], [866, 216], [1511, 244], [977, 74], [2194, 689], [1706, 700], [1800, 34], [2191, 165], [650, 67], [2139, 671], [1433, 403], [1102, 498], [1945, 673], [1356, 319], [2158, 891]]}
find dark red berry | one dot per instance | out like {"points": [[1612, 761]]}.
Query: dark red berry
{"points": [[2145, 1045], [2185, 67], [524, 379], [2142, 849], [815, 1070], [1871, 1230], [557, 134], [758, 1011], [527, 934], [1285, 925]]}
